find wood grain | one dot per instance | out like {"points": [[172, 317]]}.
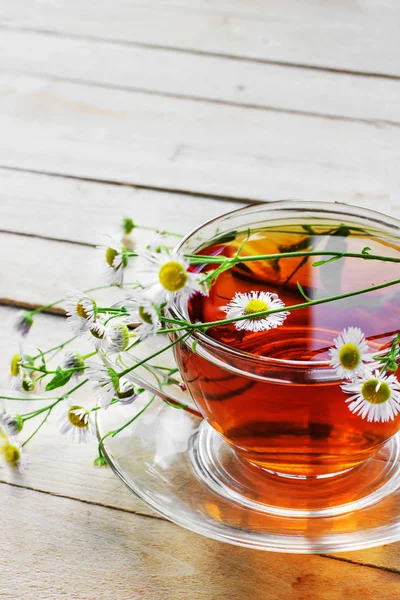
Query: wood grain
{"points": [[64, 469], [185, 124], [80, 211], [360, 36], [171, 143], [82, 552], [198, 76]]}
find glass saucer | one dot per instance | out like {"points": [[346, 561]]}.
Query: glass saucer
{"points": [[185, 471]]}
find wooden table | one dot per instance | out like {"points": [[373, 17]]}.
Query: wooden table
{"points": [[172, 112]]}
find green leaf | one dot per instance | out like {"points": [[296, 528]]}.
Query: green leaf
{"points": [[194, 346], [302, 292], [366, 250], [319, 263], [60, 378]]}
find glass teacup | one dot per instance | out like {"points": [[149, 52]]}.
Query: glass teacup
{"points": [[284, 409]]}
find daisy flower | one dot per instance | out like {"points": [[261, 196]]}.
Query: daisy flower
{"points": [[19, 379], [73, 360], [254, 302], [143, 311], [116, 338], [16, 372], [106, 383], [126, 392], [81, 311], [23, 323], [375, 397], [11, 424], [13, 455], [77, 424], [350, 355], [96, 335], [116, 259], [166, 276]]}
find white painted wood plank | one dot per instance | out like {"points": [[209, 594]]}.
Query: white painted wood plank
{"points": [[61, 468], [174, 143], [360, 36], [58, 466], [81, 211], [201, 76], [61, 548]]}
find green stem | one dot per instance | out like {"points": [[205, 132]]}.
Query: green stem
{"points": [[35, 413], [161, 232], [27, 399], [86, 356], [60, 346], [100, 407], [115, 432], [94, 289], [193, 326], [110, 310], [293, 307], [46, 372], [145, 360], [199, 259], [38, 428]]}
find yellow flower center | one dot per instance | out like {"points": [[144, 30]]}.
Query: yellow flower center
{"points": [[124, 336], [81, 310], [255, 306], [11, 454], [97, 333], [77, 419], [349, 356], [374, 394], [16, 359], [27, 384], [173, 276], [145, 316], [111, 253]]}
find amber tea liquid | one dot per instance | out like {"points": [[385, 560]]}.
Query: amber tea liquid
{"points": [[296, 420]]}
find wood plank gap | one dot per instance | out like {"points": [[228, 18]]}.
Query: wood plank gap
{"points": [[83, 501], [136, 186], [249, 106], [160, 518], [360, 564], [60, 312], [45, 237], [288, 64]]}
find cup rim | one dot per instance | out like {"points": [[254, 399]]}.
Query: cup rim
{"points": [[372, 215]]}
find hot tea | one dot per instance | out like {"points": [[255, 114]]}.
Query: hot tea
{"points": [[297, 424]]}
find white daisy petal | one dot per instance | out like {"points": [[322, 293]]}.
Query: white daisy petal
{"points": [[166, 276], [73, 360], [106, 383], [77, 424], [143, 311], [254, 302], [115, 259], [375, 397], [81, 311], [349, 356], [116, 337], [14, 455]]}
